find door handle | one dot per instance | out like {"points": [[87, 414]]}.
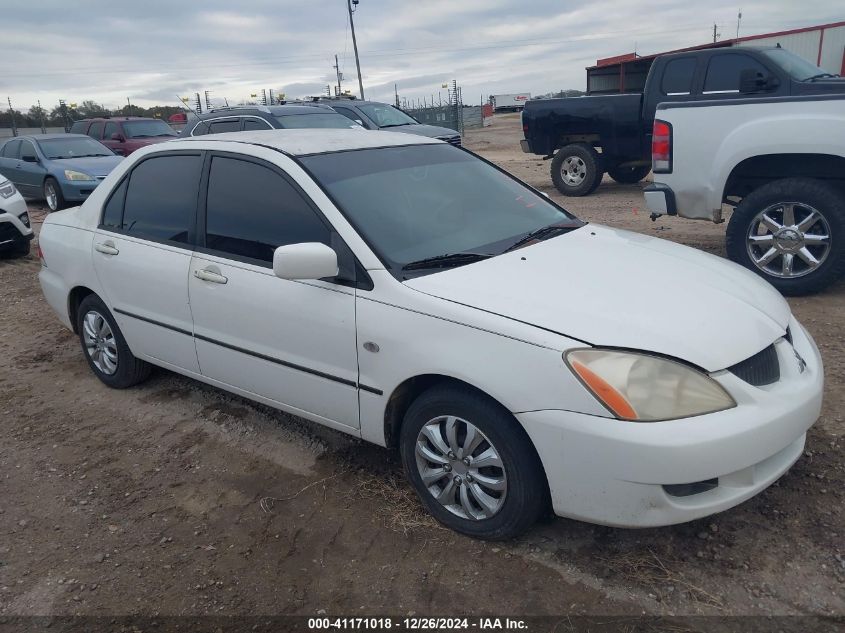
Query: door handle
{"points": [[209, 275], [107, 248]]}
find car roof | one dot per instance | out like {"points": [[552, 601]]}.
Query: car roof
{"points": [[47, 137], [303, 142], [120, 118]]}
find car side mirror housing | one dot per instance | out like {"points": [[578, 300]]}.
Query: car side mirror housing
{"points": [[751, 80], [117, 137], [309, 260], [29, 159]]}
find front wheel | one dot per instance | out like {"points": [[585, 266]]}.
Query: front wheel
{"points": [[792, 233], [577, 170], [628, 175], [104, 347], [53, 195], [472, 464]]}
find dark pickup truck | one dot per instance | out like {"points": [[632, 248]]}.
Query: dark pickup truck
{"points": [[588, 136]]}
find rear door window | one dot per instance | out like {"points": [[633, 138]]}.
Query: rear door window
{"points": [[161, 199], [252, 123], [723, 72], [12, 149], [677, 76], [226, 125]]}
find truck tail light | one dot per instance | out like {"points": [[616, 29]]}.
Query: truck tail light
{"points": [[661, 147]]}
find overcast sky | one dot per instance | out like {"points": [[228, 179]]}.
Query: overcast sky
{"points": [[153, 51]]}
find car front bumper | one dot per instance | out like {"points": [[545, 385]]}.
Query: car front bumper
{"points": [[14, 221], [79, 190], [616, 473]]}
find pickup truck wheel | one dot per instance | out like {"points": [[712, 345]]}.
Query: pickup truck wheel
{"points": [[628, 175], [577, 170], [472, 465], [792, 233], [105, 348]]}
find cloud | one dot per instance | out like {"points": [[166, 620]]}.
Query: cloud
{"points": [[150, 52]]}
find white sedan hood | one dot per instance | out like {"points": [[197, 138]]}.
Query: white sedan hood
{"points": [[616, 288]]}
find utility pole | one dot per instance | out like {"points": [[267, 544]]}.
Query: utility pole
{"points": [[128, 107], [349, 4], [12, 115], [715, 34], [339, 76], [738, 20], [396, 92], [41, 116]]}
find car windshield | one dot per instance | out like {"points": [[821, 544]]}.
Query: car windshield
{"points": [[147, 129], [318, 119], [386, 115], [73, 147], [793, 65], [418, 202]]}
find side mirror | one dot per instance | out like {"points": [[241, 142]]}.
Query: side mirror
{"points": [[117, 137], [29, 158], [310, 260], [751, 80]]}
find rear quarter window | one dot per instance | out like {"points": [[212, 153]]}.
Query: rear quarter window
{"points": [[79, 127], [677, 76]]}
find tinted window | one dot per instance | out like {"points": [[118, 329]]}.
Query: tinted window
{"points": [[252, 210], [113, 211], [10, 149], [200, 129], [256, 124], [96, 130], [147, 128], [27, 149], [318, 119], [111, 128], [227, 125], [677, 76], [161, 199], [79, 127], [724, 70]]}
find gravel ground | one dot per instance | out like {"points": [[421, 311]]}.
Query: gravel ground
{"points": [[176, 498]]}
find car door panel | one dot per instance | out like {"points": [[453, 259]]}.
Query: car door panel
{"points": [[289, 341], [142, 255], [30, 175], [292, 342]]}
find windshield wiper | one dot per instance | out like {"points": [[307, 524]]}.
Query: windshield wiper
{"points": [[542, 233], [450, 260], [820, 76], [397, 124]]}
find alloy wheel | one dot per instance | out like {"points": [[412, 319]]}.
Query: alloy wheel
{"points": [[788, 240], [51, 196], [461, 468], [573, 170], [100, 342]]}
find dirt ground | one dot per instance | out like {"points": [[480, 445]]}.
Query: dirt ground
{"points": [[149, 501]]}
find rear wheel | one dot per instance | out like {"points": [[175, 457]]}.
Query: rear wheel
{"points": [[53, 195], [577, 170], [628, 175], [792, 233], [471, 464], [105, 348], [21, 248]]}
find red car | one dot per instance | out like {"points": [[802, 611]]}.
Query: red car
{"points": [[123, 135]]}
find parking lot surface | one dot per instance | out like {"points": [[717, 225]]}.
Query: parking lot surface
{"points": [[177, 498]]}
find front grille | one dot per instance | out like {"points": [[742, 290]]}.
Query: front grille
{"points": [[761, 369]]}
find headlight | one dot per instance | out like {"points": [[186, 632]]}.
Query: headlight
{"points": [[646, 388], [77, 175], [7, 189]]}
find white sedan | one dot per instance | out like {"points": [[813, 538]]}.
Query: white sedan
{"points": [[412, 294]]}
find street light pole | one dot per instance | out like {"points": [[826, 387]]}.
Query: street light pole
{"points": [[355, 46]]}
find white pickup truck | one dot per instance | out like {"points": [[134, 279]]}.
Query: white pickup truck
{"points": [[779, 161]]}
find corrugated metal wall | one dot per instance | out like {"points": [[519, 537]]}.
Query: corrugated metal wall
{"points": [[806, 44]]}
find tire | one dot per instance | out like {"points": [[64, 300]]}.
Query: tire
{"points": [[526, 492], [628, 175], [127, 370], [805, 197], [53, 195], [583, 166]]}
